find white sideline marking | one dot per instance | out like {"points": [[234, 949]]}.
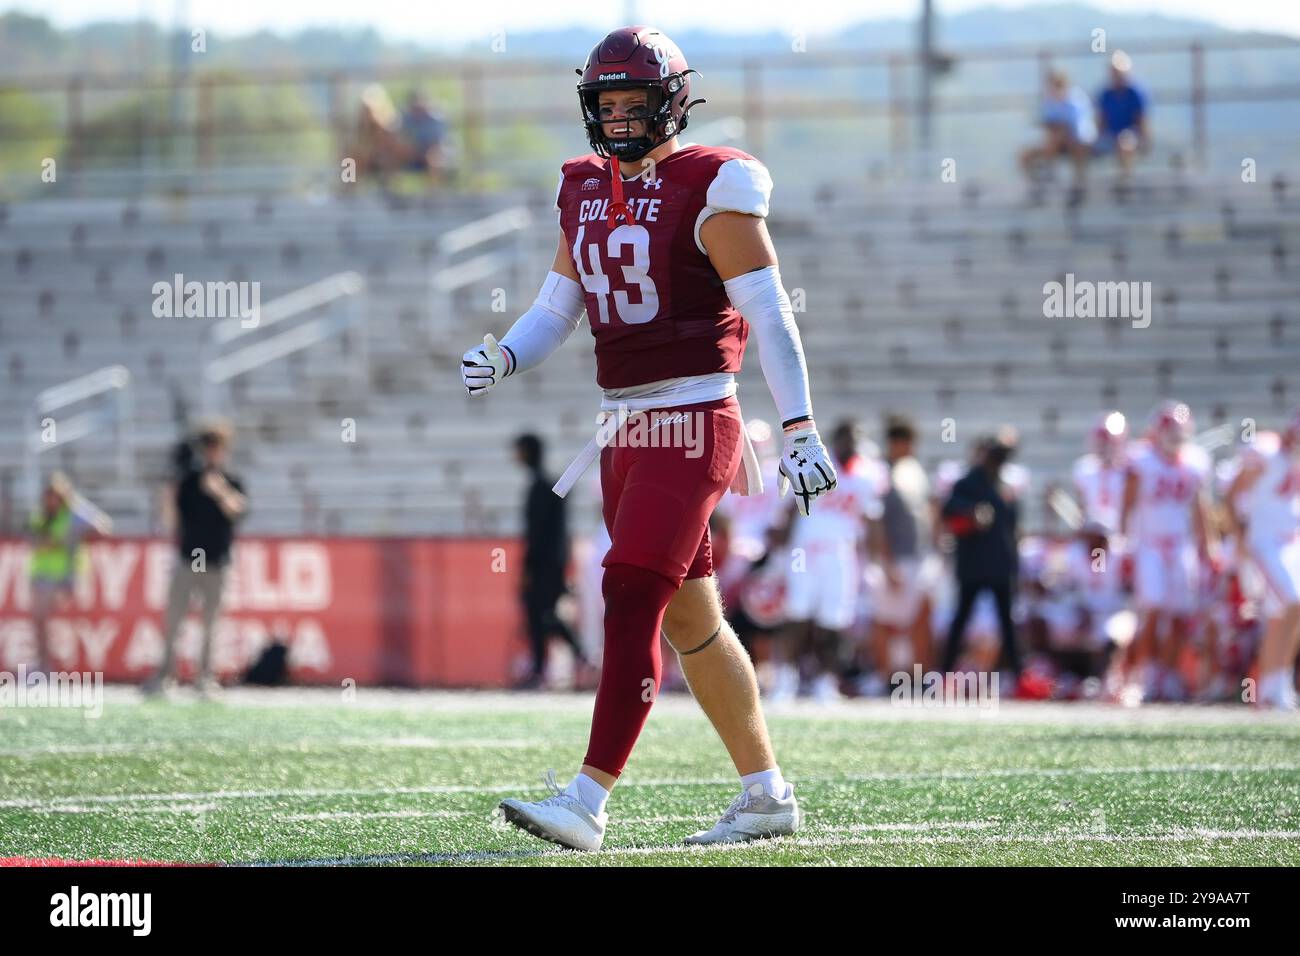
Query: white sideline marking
{"points": [[916, 827], [29, 803], [824, 842], [847, 828], [1010, 712]]}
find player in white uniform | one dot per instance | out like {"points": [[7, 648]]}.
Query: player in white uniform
{"points": [[901, 577], [825, 571], [1093, 572], [1163, 519], [751, 579], [751, 518], [1264, 503], [1099, 475]]}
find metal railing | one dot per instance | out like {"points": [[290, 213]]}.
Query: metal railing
{"points": [[749, 85], [113, 383], [507, 228], [229, 350]]}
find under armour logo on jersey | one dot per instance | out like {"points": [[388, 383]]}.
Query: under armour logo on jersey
{"points": [[648, 183], [592, 183]]}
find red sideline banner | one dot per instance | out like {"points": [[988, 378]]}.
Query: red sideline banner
{"points": [[431, 612]]}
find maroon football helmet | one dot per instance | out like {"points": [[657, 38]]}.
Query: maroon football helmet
{"points": [[635, 58]]}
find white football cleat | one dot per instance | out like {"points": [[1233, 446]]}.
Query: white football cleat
{"points": [[826, 689], [754, 815], [785, 684], [560, 818]]}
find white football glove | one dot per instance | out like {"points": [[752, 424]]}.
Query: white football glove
{"points": [[483, 366], [806, 466]]}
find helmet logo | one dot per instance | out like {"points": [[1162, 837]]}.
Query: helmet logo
{"points": [[612, 76], [662, 55]]}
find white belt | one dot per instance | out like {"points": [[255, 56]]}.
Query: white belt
{"points": [[748, 480]]}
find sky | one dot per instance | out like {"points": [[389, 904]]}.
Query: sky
{"points": [[455, 22]]}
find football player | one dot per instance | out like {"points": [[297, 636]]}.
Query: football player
{"points": [[1163, 518], [1263, 500], [746, 577], [665, 247], [824, 563], [902, 575], [1099, 475]]}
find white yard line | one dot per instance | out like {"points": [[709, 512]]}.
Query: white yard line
{"points": [[304, 743], [916, 827], [33, 803]]}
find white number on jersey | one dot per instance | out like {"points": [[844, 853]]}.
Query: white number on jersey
{"points": [[596, 281]]}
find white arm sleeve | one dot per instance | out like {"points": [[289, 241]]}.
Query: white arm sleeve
{"points": [[554, 314], [761, 299], [740, 185]]}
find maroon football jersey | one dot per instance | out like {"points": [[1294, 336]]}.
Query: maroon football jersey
{"points": [[656, 306]]}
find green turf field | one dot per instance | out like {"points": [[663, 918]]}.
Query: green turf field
{"points": [[413, 778]]}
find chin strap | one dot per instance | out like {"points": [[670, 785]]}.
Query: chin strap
{"points": [[618, 209]]}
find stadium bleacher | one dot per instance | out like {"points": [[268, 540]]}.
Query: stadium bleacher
{"points": [[924, 299]]}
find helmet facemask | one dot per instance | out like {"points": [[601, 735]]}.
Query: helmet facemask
{"points": [[657, 117]]}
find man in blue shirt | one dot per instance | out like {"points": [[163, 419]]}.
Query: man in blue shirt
{"points": [[1122, 109], [425, 132]]}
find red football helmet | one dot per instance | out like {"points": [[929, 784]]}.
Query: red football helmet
{"points": [[1109, 435], [634, 58], [1171, 426]]}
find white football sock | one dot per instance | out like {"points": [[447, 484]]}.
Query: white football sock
{"points": [[591, 794], [771, 780]]}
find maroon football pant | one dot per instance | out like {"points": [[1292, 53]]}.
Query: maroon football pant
{"points": [[659, 491]]}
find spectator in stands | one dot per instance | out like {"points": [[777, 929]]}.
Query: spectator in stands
{"points": [[546, 557], [1068, 130], [983, 514], [57, 531], [210, 501], [425, 132], [1122, 109], [380, 149]]}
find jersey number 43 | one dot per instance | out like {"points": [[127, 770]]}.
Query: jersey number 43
{"points": [[615, 304]]}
